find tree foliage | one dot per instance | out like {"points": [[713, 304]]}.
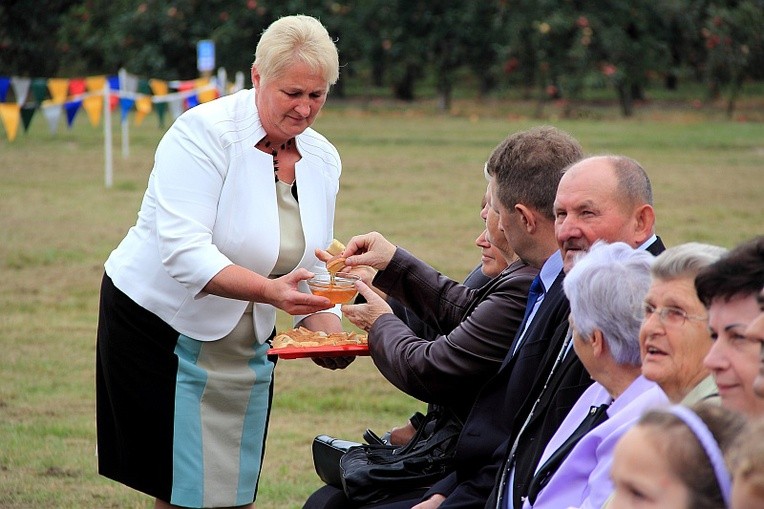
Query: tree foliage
{"points": [[551, 49]]}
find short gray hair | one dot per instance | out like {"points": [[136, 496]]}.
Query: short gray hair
{"points": [[294, 39], [633, 182], [685, 260], [606, 288]]}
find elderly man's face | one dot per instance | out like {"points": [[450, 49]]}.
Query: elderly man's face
{"points": [[589, 207], [734, 357], [755, 332]]}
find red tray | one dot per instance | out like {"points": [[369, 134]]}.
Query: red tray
{"points": [[300, 352]]}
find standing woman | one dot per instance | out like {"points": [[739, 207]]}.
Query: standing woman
{"points": [[188, 302]]}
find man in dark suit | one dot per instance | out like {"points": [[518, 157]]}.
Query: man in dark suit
{"points": [[520, 408], [524, 172], [606, 197]]}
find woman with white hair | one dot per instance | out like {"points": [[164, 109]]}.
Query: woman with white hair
{"points": [[674, 337], [605, 288], [241, 195]]}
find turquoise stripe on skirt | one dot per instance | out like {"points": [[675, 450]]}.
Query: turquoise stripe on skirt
{"points": [[221, 414]]}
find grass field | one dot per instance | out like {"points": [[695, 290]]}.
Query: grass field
{"points": [[411, 174]]}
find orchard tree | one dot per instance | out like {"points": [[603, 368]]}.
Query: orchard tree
{"points": [[733, 35], [29, 37]]}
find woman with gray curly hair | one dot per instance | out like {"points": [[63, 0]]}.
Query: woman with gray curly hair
{"points": [[605, 287]]}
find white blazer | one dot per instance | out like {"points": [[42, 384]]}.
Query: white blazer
{"points": [[210, 203]]}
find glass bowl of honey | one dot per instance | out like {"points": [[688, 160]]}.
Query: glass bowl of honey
{"points": [[339, 288]]}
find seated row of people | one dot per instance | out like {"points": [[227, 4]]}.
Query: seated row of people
{"points": [[609, 333]]}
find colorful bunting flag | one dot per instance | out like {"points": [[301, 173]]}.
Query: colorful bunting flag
{"points": [[57, 95], [125, 105], [39, 89], [5, 84], [27, 112], [142, 108], [176, 107], [72, 107], [159, 87], [77, 86], [21, 89], [93, 106], [52, 112], [58, 88], [95, 83], [10, 115]]}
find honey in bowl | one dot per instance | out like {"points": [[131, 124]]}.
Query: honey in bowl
{"points": [[338, 288]]}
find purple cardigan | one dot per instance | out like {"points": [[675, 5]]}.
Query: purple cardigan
{"points": [[583, 478]]}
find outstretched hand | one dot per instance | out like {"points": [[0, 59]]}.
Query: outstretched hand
{"points": [[365, 272], [371, 249], [363, 316], [282, 293]]}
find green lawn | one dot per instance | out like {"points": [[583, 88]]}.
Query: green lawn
{"points": [[410, 173]]}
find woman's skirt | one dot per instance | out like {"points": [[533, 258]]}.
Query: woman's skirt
{"points": [[179, 419]]}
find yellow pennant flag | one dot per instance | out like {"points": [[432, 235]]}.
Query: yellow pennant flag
{"points": [[59, 89], [93, 105], [142, 108], [205, 95], [95, 83], [159, 87], [10, 114]]}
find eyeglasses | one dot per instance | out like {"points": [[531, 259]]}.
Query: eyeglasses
{"points": [[669, 315]]}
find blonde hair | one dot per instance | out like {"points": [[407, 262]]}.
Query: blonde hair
{"points": [[294, 39], [746, 458]]}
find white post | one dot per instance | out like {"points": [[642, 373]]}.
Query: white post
{"points": [[124, 125], [108, 162], [125, 139]]}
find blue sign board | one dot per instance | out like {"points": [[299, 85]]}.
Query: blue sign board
{"points": [[205, 55]]}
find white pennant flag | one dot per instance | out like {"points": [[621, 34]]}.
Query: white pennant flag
{"points": [[222, 81], [21, 89], [238, 83], [52, 114], [128, 82], [176, 107]]}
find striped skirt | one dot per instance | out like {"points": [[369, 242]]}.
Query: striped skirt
{"points": [[178, 419]]}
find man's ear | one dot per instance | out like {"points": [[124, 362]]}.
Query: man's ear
{"points": [[255, 77], [527, 216], [644, 222]]}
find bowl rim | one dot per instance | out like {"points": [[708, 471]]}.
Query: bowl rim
{"points": [[345, 279]]}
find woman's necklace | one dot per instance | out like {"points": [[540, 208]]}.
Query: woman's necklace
{"points": [[274, 150]]}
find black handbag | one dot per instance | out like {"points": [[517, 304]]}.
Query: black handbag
{"points": [[327, 452], [372, 472]]}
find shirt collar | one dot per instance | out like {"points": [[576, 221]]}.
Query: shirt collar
{"points": [[648, 242], [550, 270]]}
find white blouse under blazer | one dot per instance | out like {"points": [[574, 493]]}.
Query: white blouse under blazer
{"points": [[210, 203]]}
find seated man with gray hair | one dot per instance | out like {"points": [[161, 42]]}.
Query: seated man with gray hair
{"points": [[605, 321]]}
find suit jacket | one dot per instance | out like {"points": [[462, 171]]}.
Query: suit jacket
{"points": [[506, 400], [565, 387], [497, 407], [210, 203], [583, 478], [475, 326]]}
